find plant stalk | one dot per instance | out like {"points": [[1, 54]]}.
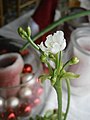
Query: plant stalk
{"points": [[58, 88], [68, 101]]}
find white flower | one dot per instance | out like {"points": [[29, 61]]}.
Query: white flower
{"points": [[54, 43]]}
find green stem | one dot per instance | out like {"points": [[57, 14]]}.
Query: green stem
{"points": [[60, 59], [65, 65], [57, 60], [32, 43], [58, 88], [68, 103], [24, 46], [60, 21], [50, 68]]}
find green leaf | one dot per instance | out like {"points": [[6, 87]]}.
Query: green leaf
{"points": [[70, 75]]}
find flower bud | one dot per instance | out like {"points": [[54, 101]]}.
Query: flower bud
{"points": [[22, 33], [28, 31], [74, 60], [43, 58]]}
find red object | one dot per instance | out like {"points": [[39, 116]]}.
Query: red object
{"points": [[44, 16], [27, 68], [24, 52], [24, 110], [40, 91], [27, 109], [36, 101], [12, 116], [45, 12]]}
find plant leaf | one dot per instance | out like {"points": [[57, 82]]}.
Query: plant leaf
{"points": [[70, 75]]}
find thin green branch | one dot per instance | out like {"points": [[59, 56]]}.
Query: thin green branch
{"points": [[58, 88], [60, 21], [68, 101], [24, 46]]}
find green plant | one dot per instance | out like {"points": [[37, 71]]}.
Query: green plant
{"points": [[52, 51]]}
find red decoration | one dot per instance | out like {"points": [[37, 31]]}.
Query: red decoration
{"points": [[40, 91], [37, 89], [24, 110], [27, 109], [36, 101], [27, 68], [11, 116]]}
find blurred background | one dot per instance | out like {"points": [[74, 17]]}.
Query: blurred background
{"points": [[12, 9]]}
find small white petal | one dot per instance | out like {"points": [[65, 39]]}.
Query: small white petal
{"points": [[42, 47], [59, 36], [63, 45], [56, 48], [48, 40]]}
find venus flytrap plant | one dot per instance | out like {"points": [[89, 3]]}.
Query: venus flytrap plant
{"points": [[51, 50]]}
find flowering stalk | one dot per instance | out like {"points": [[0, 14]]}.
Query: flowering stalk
{"points": [[51, 54], [58, 88], [26, 35], [68, 101]]}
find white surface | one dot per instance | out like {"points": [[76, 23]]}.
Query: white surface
{"points": [[79, 107]]}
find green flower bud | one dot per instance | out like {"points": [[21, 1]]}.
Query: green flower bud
{"points": [[22, 33], [74, 60], [28, 30], [43, 58]]}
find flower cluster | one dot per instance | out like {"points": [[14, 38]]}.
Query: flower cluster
{"points": [[51, 52], [54, 43]]}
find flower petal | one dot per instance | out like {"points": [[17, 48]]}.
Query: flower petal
{"points": [[48, 41], [54, 43], [42, 47]]}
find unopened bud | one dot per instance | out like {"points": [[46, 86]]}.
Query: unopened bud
{"points": [[43, 58], [28, 31], [22, 33], [74, 60]]}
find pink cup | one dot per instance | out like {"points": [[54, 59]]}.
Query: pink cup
{"points": [[11, 65]]}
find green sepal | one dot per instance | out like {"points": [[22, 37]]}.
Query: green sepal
{"points": [[43, 58], [70, 75]]}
